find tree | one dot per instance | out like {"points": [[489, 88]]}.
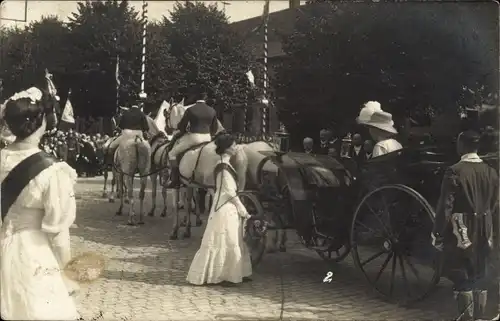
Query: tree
{"points": [[165, 78], [212, 55], [341, 55], [101, 30], [27, 52]]}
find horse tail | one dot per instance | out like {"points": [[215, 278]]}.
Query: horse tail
{"points": [[142, 155]]}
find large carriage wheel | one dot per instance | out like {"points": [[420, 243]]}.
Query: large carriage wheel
{"points": [[257, 243], [391, 243]]}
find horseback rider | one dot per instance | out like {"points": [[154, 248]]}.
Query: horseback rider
{"points": [[203, 124], [132, 123]]}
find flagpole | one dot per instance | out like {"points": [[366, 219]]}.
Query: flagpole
{"points": [[265, 107], [142, 94], [117, 78]]}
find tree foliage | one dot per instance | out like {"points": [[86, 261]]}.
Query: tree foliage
{"points": [[341, 55], [101, 31], [25, 53], [210, 54]]}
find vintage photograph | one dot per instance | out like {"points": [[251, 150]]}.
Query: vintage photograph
{"points": [[249, 160]]}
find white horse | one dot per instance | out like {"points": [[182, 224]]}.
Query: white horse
{"points": [[168, 117]]}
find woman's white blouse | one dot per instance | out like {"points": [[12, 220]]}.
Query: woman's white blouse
{"points": [[47, 202]]}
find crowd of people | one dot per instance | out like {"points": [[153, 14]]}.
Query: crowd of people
{"points": [[81, 151]]}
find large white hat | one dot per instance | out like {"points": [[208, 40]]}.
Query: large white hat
{"points": [[383, 121], [366, 112]]}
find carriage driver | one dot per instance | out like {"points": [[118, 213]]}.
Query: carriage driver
{"points": [[203, 124], [133, 123]]}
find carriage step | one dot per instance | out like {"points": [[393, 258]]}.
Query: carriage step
{"points": [[319, 248]]}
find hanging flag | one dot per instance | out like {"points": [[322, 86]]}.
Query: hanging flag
{"points": [[251, 78], [51, 87], [67, 114]]}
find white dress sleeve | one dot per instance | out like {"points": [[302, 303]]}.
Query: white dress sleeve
{"points": [[228, 188], [59, 203], [378, 150]]}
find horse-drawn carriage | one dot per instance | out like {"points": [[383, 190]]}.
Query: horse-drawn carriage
{"points": [[380, 211]]}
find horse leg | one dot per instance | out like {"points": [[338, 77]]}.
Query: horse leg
{"points": [[200, 201], [197, 207], [189, 208], [180, 203], [142, 194], [113, 183], [165, 201], [182, 200], [283, 240], [119, 193], [126, 191], [175, 225], [130, 197], [104, 191], [272, 245], [154, 178]]}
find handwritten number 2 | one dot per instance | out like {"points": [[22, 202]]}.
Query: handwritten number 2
{"points": [[328, 277]]}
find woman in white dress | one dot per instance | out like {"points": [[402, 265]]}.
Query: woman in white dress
{"points": [[381, 127], [223, 257], [34, 235]]}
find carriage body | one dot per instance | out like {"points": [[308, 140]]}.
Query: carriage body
{"points": [[327, 200]]}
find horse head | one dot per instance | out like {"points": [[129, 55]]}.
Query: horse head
{"points": [[173, 115]]}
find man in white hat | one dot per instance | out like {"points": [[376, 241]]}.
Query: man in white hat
{"points": [[381, 127]]}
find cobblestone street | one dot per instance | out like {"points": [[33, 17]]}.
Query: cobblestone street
{"points": [[145, 277]]}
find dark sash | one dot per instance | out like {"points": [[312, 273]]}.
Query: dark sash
{"points": [[20, 176], [223, 166]]}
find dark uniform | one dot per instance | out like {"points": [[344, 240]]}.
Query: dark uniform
{"points": [[73, 149], [466, 229], [133, 122], [203, 124]]}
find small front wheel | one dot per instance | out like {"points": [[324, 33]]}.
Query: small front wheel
{"points": [[256, 229]]}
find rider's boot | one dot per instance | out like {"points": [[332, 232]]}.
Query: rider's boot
{"points": [[174, 181]]}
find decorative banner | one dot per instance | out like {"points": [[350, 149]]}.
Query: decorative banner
{"points": [[67, 114]]}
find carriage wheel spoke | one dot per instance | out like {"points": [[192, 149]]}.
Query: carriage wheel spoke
{"points": [[384, 265], [386, 211], [393, 273], [373, 257], [403, 272], [379, 219], [366, 227], [412, 267]]}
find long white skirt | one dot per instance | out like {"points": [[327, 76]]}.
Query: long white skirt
{"points": [[31, 283], [223, 255]]}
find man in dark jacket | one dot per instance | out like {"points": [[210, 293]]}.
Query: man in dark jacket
{"points": [[466, 227], [357, 152], [133, 123], [203, 124]]}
